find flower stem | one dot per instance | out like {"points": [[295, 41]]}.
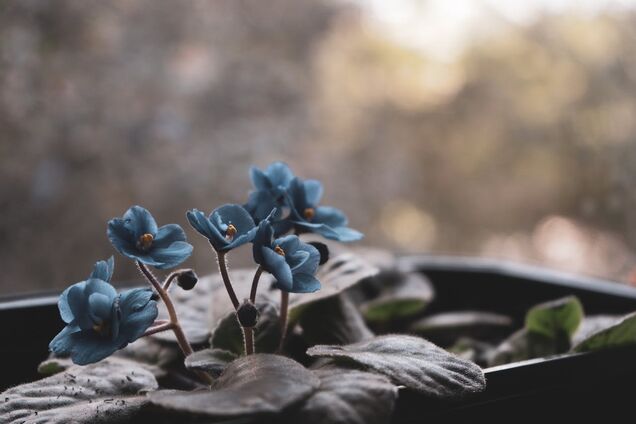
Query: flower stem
{"points": [[168, 280], [226, 279], [284, 306], [248, 339], [257, 277], [172, 313], [158, 329]]}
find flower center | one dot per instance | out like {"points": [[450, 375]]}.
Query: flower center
{"points": [[145, 241], [103, 328], [279, 250], [309, 213], [230, 232]]}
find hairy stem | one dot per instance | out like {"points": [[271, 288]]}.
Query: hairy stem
{"points": [[257, 277], [182, 340], [226, 279], [158, 329], [168, 280], [248, 338], [284, 306]]}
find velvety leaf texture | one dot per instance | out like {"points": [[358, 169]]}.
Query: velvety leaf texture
{"points": [[254, 384], [621, 333], [213, 361], [334, 320], [401, 295], [347, 397], [412, 362], [105, 392]]}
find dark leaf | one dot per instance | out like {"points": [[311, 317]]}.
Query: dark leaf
{"points": [[555, 318], [334, 320], [155, 355], [212, 361], [446, 328], [400, 295], [412, 362], [523, 345], [254, 384], [105, 392], [229, 336], [593, 324], [620, 333], [348, 397]]}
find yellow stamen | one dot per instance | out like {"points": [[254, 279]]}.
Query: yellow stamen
{"points": [[230, 232], [145, 241], [279, 250], [102, 328], [309, 213]]}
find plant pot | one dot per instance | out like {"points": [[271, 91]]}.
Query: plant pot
{"points": [[572, 385]]}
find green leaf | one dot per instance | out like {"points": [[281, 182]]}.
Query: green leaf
{"points": [[334, 320], [555, 318], [54, 365], [412, 362], [228, 334], [592, 324], [253, 384], [401, 295], [105, 392], [348, 396], [523, 345], [621, 333], [212, 361], [445, 328]]}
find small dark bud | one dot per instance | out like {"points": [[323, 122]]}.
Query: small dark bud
{"points": [[247, 314], [187, 279], [155, 296], [322, 249]]}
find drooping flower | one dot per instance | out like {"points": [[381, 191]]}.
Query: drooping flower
{"points": [[98, 320], [269, 191], [292, 262], [227, 227], [136, 236], [307, 216]]}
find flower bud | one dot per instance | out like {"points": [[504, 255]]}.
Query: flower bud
{"points": [[247, 314], [322, 249], [187, 279]]}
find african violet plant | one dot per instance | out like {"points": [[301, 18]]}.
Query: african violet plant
{"points": [[296, 347]]}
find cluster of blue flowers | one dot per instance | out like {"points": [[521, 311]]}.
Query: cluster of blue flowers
{"points": [[101, 321]]}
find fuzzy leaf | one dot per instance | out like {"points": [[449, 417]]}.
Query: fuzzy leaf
{"points": [[621, 333], [212, 361], [593, 324], [555, 318], [334, 320], [229, 336], [401, 295], [105, 392], [348, 397], [523, 345], [254, 384], [412, 362], [445, 328]]}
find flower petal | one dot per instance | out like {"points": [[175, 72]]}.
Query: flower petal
{"points": [[78, 304], [305, 283], [313, 192], [99, 307], [103, 269], [262, 239], [330, 216], [289, 243], [95, 285], [121, 237], [276, 265], [279, 174], [62, 344], [171, 256], [66, 312], [235, 215], [311, 263], [89, 347], [167, 235], [139, 221], [259, 179]]}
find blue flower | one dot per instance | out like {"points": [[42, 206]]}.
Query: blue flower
{"points": [[292, 262], [103, 270], [270, 189], [307, 216], [136, 236], [227, 227], [98, 320]]}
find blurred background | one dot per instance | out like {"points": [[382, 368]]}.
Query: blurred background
{"points": [[497, 128]]}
